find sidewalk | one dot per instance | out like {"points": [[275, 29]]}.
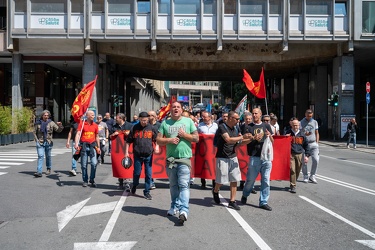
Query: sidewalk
{"points": [[361, 145]]}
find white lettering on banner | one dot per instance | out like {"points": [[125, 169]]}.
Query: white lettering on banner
{"points": [[49, 21], [120, 21], [252, 23]]}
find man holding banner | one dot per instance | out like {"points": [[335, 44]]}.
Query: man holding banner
{"points": [[177, 133], [257, 132]]}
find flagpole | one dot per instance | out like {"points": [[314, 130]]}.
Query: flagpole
{"points": [[265, 92]]}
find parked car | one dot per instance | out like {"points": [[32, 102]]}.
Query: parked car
{"points": [[199, 107]]}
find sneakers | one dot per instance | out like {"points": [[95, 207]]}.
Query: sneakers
{"points": [[127, 187], [93, 184], [313, 180], [355, 147], [216, 196], [38, 174], [243, 200], [48, 172], [147, 196], [152, 187], [134, 188], [266, 207], [293, 190], [348, 146], [233, 204], [172, 211], [182, 218], [306, 179], [84, 184], [254, 191], [72, 172]]}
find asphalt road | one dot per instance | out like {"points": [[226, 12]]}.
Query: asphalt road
{"points": [[56, 212]]}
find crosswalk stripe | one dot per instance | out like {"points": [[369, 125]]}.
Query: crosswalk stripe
{"points": [[11, 163], [4, 167], [7, 159], [20, 156], [1, 173]]}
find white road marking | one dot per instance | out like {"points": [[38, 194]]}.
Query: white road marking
{"points": [[7, 159], [362, 229], [127, 245], [97, 209], [346, 184], [64, 216], [4, 167], [2, 173], [358, 163], [112, 221], [11, 163], [18, 156], [248, 229]]}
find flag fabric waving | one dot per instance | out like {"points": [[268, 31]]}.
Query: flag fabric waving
{"points": [[82, 101], [241, 107], [258, 89], [164, 111]]}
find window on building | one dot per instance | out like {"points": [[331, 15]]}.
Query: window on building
{"points": [[186, 6], [209, 6], [253, 7], [368, 17], [98, 5], [230, 7], [318, 7], [143, 6], [275, 7], [120, 6], [164, 6], [77, 6], [51, 6], [340, 8], [296, 7], [20, 6]]}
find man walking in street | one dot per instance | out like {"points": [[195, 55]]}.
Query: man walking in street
{"points": [[103, 137], [311, 129], [87, 140], [72, 136], [255, 134], [110, 123], [142, 135], [227, 166], [177, 133], [156, 124]]}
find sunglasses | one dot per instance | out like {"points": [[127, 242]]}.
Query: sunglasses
{"points": [[236, 118], [266, 120]]}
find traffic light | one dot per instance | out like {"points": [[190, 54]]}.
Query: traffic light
{"points": [[335, 100], [330, 102], [115, 100]]}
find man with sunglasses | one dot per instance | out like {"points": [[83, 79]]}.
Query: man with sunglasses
{"points": [[255, 135], [227, 166]]}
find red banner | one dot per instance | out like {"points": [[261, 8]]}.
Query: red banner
{"points": [[203, 160]]}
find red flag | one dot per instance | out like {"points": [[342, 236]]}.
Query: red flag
{"points": [[256, 88], [82, 101], [164, 111]]}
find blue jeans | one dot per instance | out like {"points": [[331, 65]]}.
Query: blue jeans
{"points": [[354, 136], [44, 149], [264, 168], [74, 162], [93, 160], [179, 179], [138, 169]]}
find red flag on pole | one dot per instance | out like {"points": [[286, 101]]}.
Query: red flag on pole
{"points": [[82, 101], [164, 111], [258, 89]]}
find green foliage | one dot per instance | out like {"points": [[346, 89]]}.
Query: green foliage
{"points": [[5, 120], [234, 90], [24, 120]]}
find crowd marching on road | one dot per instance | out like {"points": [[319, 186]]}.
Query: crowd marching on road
{"points": [[91, 140]]}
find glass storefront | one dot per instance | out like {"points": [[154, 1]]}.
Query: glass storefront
{"points": [[368, 17]]}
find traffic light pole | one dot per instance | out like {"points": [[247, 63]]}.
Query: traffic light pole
{"points": [[334, 124]]}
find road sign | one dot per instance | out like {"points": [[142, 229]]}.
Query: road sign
{"points": [[368, 98], [368, 87]]}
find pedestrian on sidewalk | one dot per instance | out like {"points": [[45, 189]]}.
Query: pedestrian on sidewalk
{"points": [[142, 135], [352, 129], [103, 137], [72, 136], [177, 133], [43, 131], [87, 141]]}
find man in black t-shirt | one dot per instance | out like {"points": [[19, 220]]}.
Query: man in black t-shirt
{"points": [[255, 134], [71, 136], [227, 166]]}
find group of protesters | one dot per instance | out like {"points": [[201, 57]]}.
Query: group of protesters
{"points": [[177, 132]]}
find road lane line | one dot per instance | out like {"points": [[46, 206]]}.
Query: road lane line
{"points": [[248, 229], [112, 221], [362, 229], [346, 184], [359, 163]]}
